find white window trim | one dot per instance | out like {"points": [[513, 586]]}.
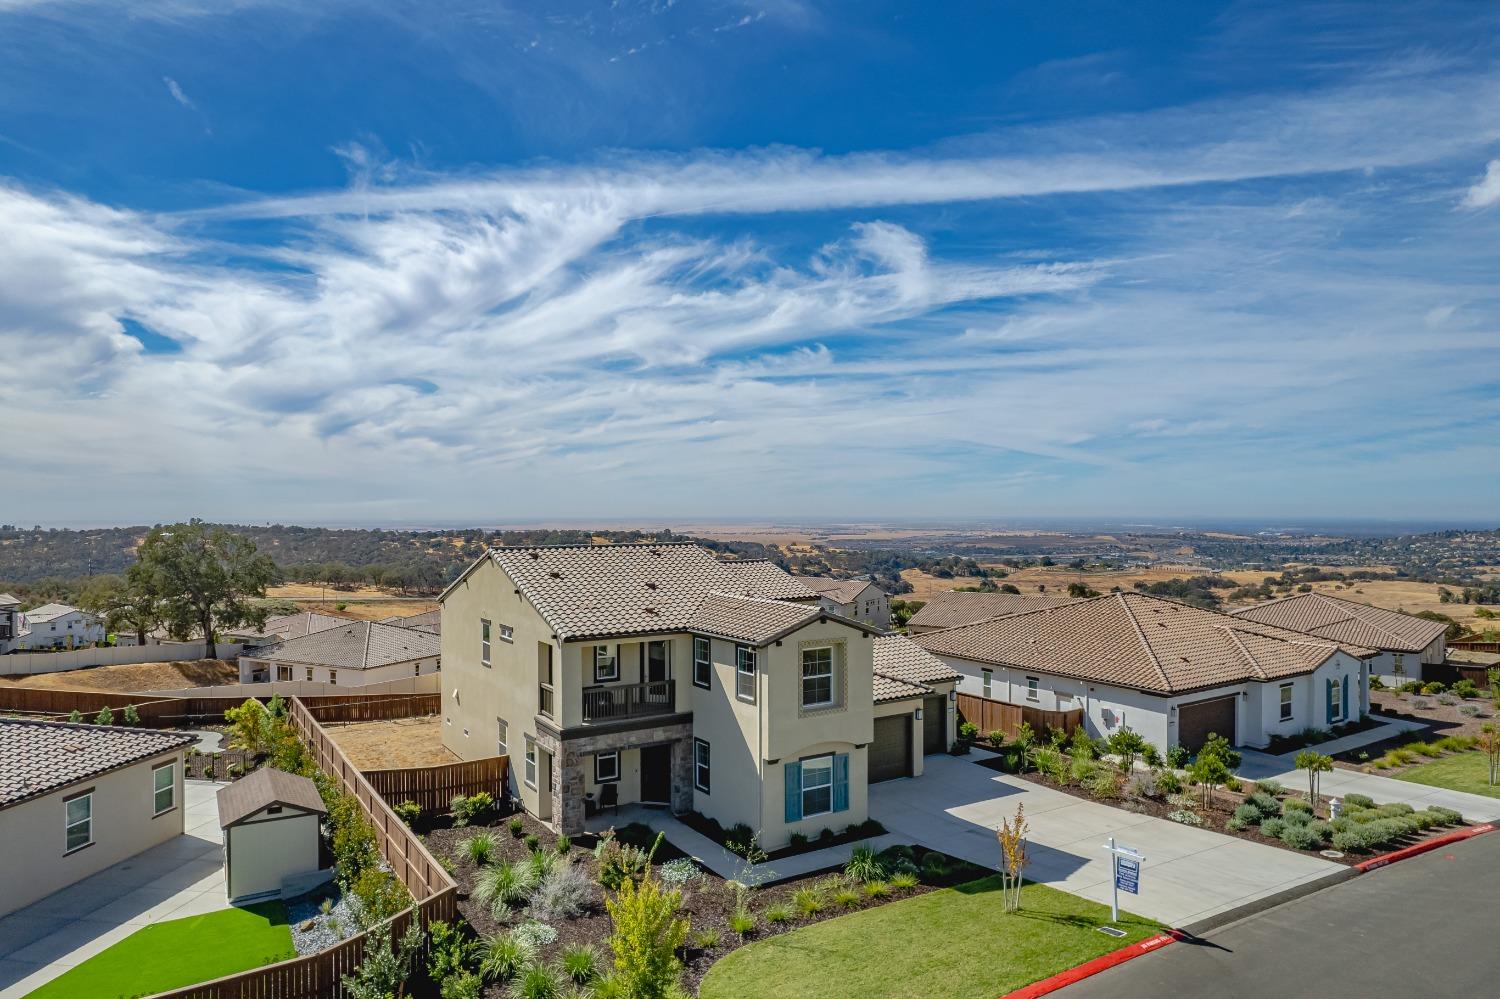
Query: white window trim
{"points": [[528, 773], [1034, 688], [171, 788], [502, 737], [69, 826], [612, 659], [507, 633], [987, 682], [742, 655], [484, 642], [702, 765], [1284, 703], [706, 661], [1336, 694], [815, 787], [832, 677], [614, 755]]}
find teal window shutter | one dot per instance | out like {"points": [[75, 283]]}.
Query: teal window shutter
{"points": [[1344, 699], [793, 772], [841, 782], [1328, 697]]}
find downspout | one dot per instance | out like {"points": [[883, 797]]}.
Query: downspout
{"points": [[760, 746]]}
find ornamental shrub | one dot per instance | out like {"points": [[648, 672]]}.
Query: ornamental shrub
{"points": [[503, 956], [563, 894], [408, 811], [1272, 828], [1358, 801], [1264, 804], [1083, 769], [1305, 837], [1104, 784], [1177, 757], [1270, 787], [1185, 817], [1167, 782], [1448, 815], [1466, 688], [1297, 817], [1247, 814]]}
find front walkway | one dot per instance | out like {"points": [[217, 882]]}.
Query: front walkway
{"points": [[1257, 765], [1189, 874], [181, 877]]}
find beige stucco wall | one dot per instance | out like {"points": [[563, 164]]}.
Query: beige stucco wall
{"points": [[34, 865], [268, 848], [909, 706], [345, 677], [508, 687]]}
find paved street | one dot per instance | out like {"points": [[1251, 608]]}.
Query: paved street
{"points": [[1189, 875], [1418, 928]]}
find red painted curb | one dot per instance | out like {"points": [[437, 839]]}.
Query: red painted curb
{"points": [[1375, 863], [1089, 968]]}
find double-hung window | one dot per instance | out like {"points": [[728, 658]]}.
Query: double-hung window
{"points": [[1033, 688], [703, 662], [1398, 665], [1286, 702], [78, 822], [163, 788], [987, 682], [606, 664], [817, 677], [606, 767], [283, 672], [817, 786], [1336, 699], [484, 642], [530, 774], [502, 737], [700, 765], [744, 673]]}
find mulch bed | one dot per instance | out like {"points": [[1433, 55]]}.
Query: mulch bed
{"points": [[1280, 744], [707, 904]]}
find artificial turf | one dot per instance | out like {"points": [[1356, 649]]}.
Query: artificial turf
{"points": [[956, 943], [179, 952]]}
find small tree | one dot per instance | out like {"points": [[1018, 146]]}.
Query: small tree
{"points": [[647, 934], [1314, 763], [105, 716], [1025, 739], [250, 726], [384, 970], [132, 716], [1127, 744], [1012, 838], [1210, 771], [1489, 741], [76, 717]]}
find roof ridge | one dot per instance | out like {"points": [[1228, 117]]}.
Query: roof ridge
{"points": [[1234, 636], [364, 660], [1354, 609], [1141, 634]]}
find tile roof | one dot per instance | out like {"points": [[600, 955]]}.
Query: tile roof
{"points": [[429, 621], [841, 590], [597, 591], [749, 619], [904, 669], [954, 608], [1138, 641], [264, 787], [6, 599], [49, 612], [355, 645], [289, 626], [1340, 620], [39, 757]]}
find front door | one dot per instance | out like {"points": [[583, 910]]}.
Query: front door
{"points": [[656, 662], [656, 774]]}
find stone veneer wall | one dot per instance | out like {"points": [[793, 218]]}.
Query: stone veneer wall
{"points": [[568, 756]]}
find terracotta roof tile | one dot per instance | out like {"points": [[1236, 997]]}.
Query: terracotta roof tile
{"points": [[889, 688], [749, 619], [1340, 620], [840, 590], [38, 757], [904, 669], [955, 608]]}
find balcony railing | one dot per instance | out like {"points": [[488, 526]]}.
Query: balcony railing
{"points": [[629, 700]]}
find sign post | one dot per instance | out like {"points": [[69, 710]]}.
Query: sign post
{"points": [[1126, 865]]}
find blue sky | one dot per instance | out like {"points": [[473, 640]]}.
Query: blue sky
{"points": [[420, 262]]}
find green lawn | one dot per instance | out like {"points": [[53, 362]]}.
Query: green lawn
{"points": [[954, 943], [179, 952], [1460, 772]]}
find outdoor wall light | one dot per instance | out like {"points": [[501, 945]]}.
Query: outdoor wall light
{"points": [[919, 714], [952, 696]]}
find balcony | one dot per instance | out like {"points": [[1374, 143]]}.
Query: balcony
{"points": [[616, 701]]}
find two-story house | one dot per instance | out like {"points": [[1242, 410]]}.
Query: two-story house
{"points": [[12, 621], [675, 678], [858, 599], [58, 626]]}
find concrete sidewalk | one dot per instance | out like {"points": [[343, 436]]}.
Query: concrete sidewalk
{"points": [[181, 877], [1339, 782], [1189, 875]]}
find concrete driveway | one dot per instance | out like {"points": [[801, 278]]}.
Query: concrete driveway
{"points": [[1189, 874], [181, 877]]}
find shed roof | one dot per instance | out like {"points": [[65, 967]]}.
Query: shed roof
{"points": [[39, 757], [263, 788]]}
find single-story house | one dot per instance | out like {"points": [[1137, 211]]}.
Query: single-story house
{"points": [[428, 621], [1171, 672], [856, 599], [272, 840], [1406, 644], [959, 607], [75, 799], [56, 626], [914, 708], [283, 628], [353, 654]]}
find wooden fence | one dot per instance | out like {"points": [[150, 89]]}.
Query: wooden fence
{"points": [[168, 711], [434, 787], [317, 975], [990, 715], [375, 708]]}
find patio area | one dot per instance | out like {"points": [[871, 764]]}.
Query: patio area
{"points": [[182, 877]]}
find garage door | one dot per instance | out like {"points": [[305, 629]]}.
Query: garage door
{"points": [[934, 725], [890, 753], [1196, 721]]}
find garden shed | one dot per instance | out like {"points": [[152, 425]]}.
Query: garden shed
{"points": [[272, 840]]}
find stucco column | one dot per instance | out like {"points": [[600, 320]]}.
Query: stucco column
{"points": [[682, 775]]}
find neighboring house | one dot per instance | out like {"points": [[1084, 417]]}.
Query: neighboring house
{"points": [[12, 622], [429, 621], [1406, 644], [914, 715], [352, 654], [672, 677], [75, 799], [58, 626], [955, 608], [1485, 641], [857, 599], [272, 842], [1171, 672], [283, 628]]}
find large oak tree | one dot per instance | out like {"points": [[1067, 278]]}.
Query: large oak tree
{"points": [[203, 578]]}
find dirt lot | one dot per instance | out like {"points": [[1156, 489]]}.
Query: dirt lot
{"points": [[399, 742], [136, 676], [372, 610], [312, 591]]}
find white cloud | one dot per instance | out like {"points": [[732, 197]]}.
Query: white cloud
{"points": [[175, 90], [1487, 191]]}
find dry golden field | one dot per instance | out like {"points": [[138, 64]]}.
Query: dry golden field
{"points": [[312, 591], [371, 610], [398, 742], [136, 676]]}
